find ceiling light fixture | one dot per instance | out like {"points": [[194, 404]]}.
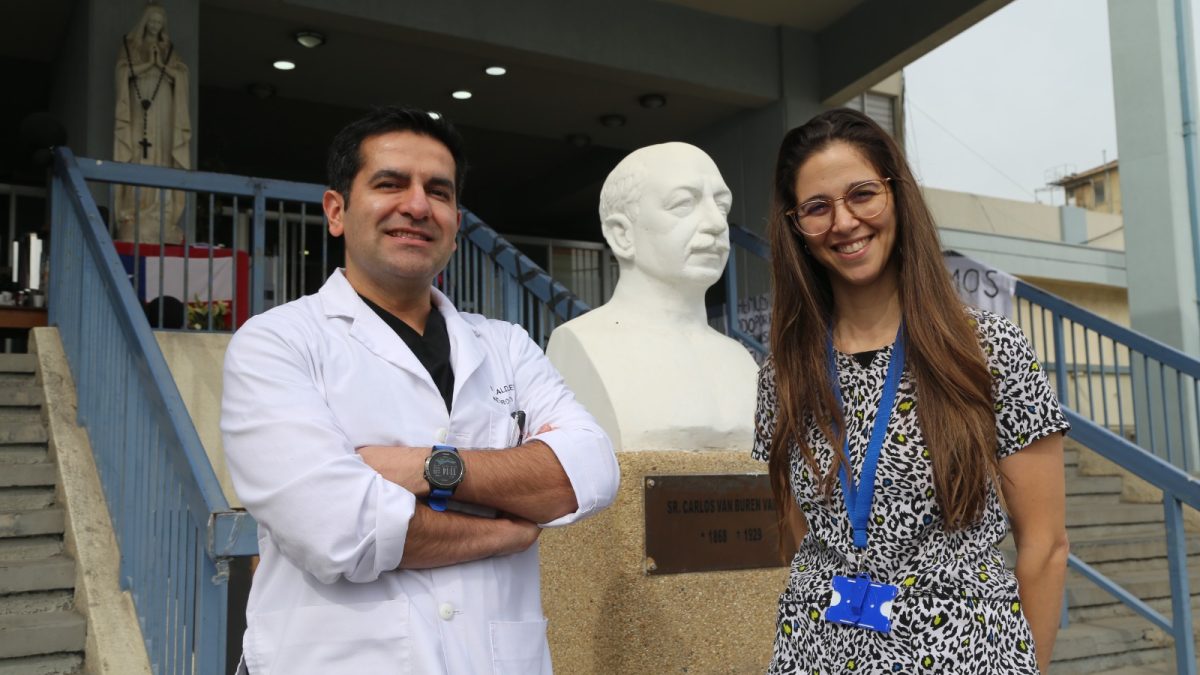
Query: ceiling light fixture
{"points": [[612, 120], [434, 115], [461, 94], [495, 71], [310, 38], [284, 65], [652, 101]]}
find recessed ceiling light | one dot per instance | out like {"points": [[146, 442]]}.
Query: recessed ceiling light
{"points": [[284, 65], [461, 94], [495, 71], [435, 115], [652, 101], [310, 38], [612, 120], [579, 140]]}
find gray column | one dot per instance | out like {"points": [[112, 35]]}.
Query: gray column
{"points": [[1158, 239], [1159, 257]]}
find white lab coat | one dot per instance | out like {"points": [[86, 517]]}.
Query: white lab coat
{"points": [[310, 381]]}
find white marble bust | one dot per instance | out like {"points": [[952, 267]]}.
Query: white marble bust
{"points": [[646, 363]]}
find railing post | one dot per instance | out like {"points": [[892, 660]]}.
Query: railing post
{"points": [[258, 252], [1181, 598], [511, 298], [1060, 359], [1064, 619]]}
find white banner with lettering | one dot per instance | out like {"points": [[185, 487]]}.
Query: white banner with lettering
{"points": [[977, 284], [981, 285]]}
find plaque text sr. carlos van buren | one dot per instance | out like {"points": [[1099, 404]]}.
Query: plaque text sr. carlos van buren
{"points": [[704, 523]]}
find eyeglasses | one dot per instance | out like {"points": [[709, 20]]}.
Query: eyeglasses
{"points": [[864, 201]]}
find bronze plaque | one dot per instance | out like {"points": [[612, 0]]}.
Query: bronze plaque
{"points": [[709, 523]]}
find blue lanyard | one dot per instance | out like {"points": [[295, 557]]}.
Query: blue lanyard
{"points": [[858, 497]]}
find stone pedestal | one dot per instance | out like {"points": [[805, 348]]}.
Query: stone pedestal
{"points": [[608, 616]]}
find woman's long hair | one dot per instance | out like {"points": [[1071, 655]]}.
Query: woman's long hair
{"points": [[954, 399]]}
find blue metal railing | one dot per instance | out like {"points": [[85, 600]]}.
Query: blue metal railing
{"points": [[283, 225], [162, 494], [1147, 390], [1116, 377]]}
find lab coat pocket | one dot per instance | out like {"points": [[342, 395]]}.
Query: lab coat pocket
{"points": [[322, 639], [519, 647]]}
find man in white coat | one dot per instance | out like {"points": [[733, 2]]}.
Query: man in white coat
{"points": [[383, 441]]}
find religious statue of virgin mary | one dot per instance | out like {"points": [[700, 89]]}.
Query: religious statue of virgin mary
{"points": [[152, 127]]}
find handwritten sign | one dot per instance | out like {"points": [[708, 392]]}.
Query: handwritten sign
{"points": [[980, 285]]}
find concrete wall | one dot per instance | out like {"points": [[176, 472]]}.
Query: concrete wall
{"points": [[1008, 217], [608, 616], [1105, 230], [196, 361]]}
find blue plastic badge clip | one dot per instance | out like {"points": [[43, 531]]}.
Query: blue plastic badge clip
{"points": [[858, 601]]}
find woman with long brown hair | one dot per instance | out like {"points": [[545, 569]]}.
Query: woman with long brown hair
{"points": [[893, 417]]}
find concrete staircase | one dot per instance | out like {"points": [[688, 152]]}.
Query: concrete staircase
{"points": [[1126, 542], [40, 631]]}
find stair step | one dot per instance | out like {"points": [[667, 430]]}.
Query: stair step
{"points": [[22, 576], [23, 434], [1116, 533], [32, 453], [21, 396], [1148, 566], [1135, 662], [45, 664], [1106, 637], [1087, 501], [1144, 584], [30, 548], [37, 602], [29, 523], [1165, 667], [26, 498], [48, 633], [1070, 457], [1150, 546], [1115, 514], [42, 473], [18, 363], [1096, 612], [1087, 485]]}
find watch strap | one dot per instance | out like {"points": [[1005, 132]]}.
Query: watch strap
{"points": [[439, 497]]}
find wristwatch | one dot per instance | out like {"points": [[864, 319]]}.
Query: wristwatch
{"points": [[444, 470]]}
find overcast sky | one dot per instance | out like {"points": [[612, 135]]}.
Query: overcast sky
{"points": [[1021, 94]]}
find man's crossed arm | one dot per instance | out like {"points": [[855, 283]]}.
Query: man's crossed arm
{"points": [[527, 484]]}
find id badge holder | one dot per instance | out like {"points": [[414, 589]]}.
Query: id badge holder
{"points": [[858, 601]]}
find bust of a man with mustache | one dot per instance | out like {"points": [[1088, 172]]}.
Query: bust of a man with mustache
{"points": [[646, 364]]}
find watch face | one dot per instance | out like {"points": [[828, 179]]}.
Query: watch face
{"points": [[445, 469]]}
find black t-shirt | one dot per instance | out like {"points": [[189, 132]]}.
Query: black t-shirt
{"points": [[432, 349]]}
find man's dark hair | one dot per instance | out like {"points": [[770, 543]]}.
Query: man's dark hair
{"points": [[345, 154]]}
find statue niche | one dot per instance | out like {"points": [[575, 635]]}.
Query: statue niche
{"points": [[152, 127]]}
